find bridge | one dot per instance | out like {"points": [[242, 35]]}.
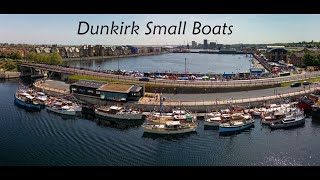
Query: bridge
{"points": [[166, 82]]}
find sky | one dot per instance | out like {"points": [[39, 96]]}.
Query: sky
{"points": [[247, 29]]}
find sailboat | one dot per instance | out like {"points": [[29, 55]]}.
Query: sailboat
{"points": [[169, 126]]}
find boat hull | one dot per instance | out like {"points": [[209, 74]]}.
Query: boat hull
{"points": [[235, 129], [176, 131], [63, 112], [315, 114], [304, 106], [213, 124], [264, 122], [288, 125], [103, 115], [26, 105]]}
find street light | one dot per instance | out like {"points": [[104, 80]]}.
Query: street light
{"points": [[118, 66]]}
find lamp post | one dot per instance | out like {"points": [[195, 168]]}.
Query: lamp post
{"points": [[185, 70], [118, 66]]}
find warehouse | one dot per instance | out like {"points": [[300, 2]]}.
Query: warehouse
{"points": [[108, 91]]}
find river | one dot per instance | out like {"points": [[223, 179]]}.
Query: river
{"points": [[173, 62], [44, 139]]}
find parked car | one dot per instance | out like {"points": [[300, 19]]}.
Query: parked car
{"points": [[296, 84], [306, 83], [144, 79]]}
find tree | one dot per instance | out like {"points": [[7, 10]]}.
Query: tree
{"points": [[55, 58], [52, 58]]}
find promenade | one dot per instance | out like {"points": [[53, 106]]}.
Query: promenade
{"points": [[214, 102]]}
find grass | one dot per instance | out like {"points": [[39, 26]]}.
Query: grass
{"points": [[152, 85], [301, 81], [78, 77]]}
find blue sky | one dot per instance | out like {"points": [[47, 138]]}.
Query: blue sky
{"points": [[253, 28]]}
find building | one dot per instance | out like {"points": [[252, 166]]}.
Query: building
{"points": [[90, 50], [297, 59], [84, 51], [193, 44], [212, 45], [256, 71], [276, 53], [97, 51], [205, 44], [108, 91]]}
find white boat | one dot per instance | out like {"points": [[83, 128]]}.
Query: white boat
{"points": [[257, 112], [117, 112], [233, 126], [65, 110], [170, 127], [295, 119], [213, 121]]}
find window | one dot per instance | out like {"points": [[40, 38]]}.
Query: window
{"points": [[81, 90], [97, 92]]}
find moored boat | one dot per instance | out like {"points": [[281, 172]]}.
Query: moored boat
{"points": [[117, 112], [26, 100], [170, 127], [294, 119], [65, 110], [305, 103], [234, 126], [213, 121]]}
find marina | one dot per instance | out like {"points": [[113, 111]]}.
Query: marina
{"points": [[132, 146]]}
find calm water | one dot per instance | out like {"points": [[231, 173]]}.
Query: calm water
{"points": [[42, 138], [174, 62]]}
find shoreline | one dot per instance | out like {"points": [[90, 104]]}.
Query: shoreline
{"points": [[9, 75], [112, 57]]}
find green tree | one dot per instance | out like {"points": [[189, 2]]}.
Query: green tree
{"points": [[55, 59]]}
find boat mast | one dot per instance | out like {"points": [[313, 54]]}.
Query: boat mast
{"points": [[161, 107]]}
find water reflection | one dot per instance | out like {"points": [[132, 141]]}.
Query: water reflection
{"points": [[168, 137], [225, 134], [118, 124]]}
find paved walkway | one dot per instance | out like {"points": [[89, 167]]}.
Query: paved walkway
{"points": [[202, 99], [168, 102], [55, 86]]}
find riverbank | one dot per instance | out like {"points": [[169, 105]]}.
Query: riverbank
{"points": [[110, 57]]}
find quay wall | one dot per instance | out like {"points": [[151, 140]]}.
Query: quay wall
{"points": [[110, 57], [208, 89], [9, 75], [48, 90], [198, 106]]}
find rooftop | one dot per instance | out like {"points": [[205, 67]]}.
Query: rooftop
{"points": [[136, 88], [92, 84], [121, 88]]}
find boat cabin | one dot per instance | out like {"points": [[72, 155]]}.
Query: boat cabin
{"points": [[173, 124]]}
